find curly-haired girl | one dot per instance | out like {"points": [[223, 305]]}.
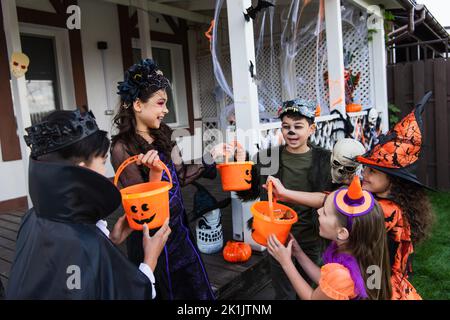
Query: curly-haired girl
{"points": [[390, 174]]}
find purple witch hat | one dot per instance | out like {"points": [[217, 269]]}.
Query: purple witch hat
{"points": [[353, 201]]}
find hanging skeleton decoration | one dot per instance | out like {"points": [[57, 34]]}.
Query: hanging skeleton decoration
{"points": [[343, 168], [372, 128], [251, 12], [19, 64]]}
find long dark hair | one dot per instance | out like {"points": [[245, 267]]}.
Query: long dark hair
{"points": [[367, 242], [415, 205], [142, 81], [125, 122]]}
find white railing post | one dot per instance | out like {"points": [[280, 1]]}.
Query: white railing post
{"points": [[144, 29], [242, 51], [335, 54], [378, 54], [18, 86]]}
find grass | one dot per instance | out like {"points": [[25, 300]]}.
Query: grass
{"points": [[431, 262]]}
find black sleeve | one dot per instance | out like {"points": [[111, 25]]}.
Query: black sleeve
{"points": [[2, 291], [393, 247], [320, 173]]}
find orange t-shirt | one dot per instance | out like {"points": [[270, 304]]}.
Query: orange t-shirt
{"points": [[336, 282]]}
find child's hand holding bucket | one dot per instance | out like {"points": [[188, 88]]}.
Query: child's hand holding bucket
{"points": [[151, 160], [240, 153], [296, 249], [153, 246], [229, 149], [221, 150], [277, 250], [121, 231], [278, 190]]}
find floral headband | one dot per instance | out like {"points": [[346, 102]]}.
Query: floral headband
{"points": [[141, 76]]}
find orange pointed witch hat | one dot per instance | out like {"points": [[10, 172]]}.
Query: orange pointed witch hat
{"points": [[397, 153], [353, 201]]}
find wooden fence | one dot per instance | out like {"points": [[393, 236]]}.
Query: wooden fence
{"points": [[407, 83]]}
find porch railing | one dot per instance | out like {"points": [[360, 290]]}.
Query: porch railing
{"points": [[329, 129]]}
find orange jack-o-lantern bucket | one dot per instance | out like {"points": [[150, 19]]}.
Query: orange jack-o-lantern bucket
{"points": [[236, 176], [145, 202], [270, 217]]}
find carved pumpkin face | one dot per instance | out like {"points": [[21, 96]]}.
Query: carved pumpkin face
{"points": [[236, 176], [150, 210], [248, 176], [237, 252], [142, 215]]}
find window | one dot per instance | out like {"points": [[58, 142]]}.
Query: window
{"points": [[165, 54], [41, 78], [49, 78]]}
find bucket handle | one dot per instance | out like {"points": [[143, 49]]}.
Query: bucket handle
{"points": [[134, 159], [272, 200]]}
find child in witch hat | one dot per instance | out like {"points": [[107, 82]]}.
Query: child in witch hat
{"points": [[390, 174], [354, 222]]}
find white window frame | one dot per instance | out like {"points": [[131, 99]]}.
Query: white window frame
{"points": [[66, 88], [178, 85]]}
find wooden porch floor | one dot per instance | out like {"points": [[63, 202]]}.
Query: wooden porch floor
{"points": [[229, 281]]}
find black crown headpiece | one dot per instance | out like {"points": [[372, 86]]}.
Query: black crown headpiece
{"points": [[50, 136]]}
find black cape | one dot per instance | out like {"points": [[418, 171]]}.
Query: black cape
{"points": [[58, 240]]}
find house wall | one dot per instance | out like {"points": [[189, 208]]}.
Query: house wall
{"points": [[99, 22]]}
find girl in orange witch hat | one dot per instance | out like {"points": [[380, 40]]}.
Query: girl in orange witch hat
{"points": [[390, 174]]}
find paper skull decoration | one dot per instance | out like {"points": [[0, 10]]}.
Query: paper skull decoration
{"points": [[372, 116], [343, 167], [19, 64]]}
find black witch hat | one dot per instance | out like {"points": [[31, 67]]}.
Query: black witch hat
{"points": [[205, 202], [397, 153]]}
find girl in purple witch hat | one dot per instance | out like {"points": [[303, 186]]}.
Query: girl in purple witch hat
{"points": [[356, 264]]}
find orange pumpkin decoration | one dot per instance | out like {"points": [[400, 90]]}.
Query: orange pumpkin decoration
{"points": [[353, 107], [318, 111], [237, 251]]}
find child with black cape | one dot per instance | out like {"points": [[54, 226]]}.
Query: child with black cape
{"points": [[64, 250]]}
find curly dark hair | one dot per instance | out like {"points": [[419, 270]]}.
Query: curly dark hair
{"points": [[415, 205], [125, 122]]}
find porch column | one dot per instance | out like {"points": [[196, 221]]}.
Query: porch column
{"points": [[335, 54], [144, 29], [18, 86], [378, 53], [242, 51]]}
